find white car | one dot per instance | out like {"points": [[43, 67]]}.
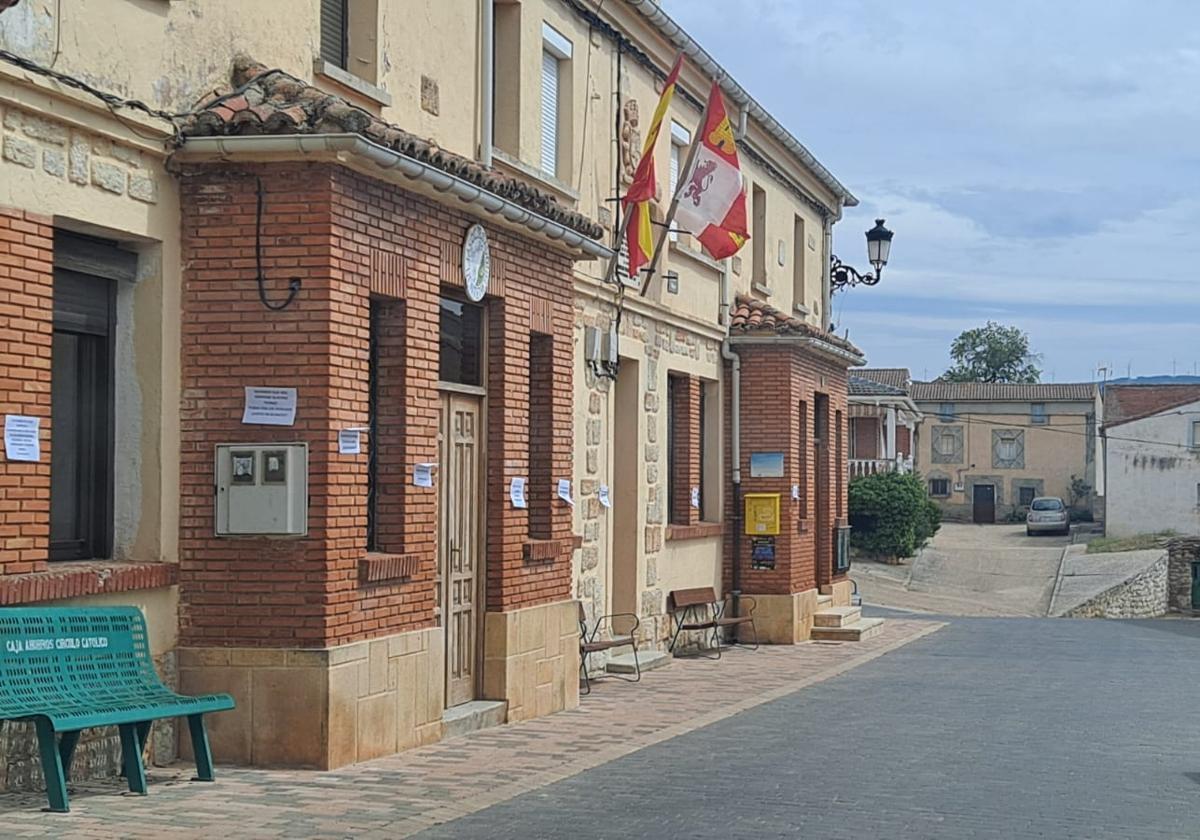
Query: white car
{"points": [[1047, 515]]}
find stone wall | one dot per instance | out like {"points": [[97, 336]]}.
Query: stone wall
{"points": [[1142, 596], [321, 708], [1181, 553], [661, 350]]}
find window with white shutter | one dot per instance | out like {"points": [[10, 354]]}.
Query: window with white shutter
{"points": [[549, 112], [680, 138], [556, 50]]}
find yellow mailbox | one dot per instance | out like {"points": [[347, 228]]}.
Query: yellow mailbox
{"points": [[761, 514]]}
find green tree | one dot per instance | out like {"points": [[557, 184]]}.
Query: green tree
{"points": [[891, 515], [993, 353]]}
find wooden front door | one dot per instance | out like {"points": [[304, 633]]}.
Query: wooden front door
{"points": [[985, 504], [459, 552]]}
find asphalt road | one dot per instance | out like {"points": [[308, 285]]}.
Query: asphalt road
{"points": [[989, 728], [970, 570]]}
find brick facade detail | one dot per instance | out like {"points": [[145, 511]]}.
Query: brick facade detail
{"points": [[686, 449], [344, 235], [779, 401], [26, 332]]}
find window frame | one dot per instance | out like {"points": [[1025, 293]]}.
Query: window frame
{"points": [[681, 139], [946, 412], [1021, 491], [556, 49], [98, 262], [1194, 443], [1037, 416], [340, 9], [945, 482], [758, 235]]}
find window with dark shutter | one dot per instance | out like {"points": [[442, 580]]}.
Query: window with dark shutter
{"points": [[81, 395], [334, 16]]}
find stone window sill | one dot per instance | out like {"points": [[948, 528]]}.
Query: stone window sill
{"points": [[696, 256], [699, 531], [760, 288], [543, 179], [354, 84], [378, 567], [78, 578]]}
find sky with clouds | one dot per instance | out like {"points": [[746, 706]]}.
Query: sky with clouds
{"points": [[1038, 162]]}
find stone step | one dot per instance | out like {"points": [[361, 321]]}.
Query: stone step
{"points": [[837, 616], [468, 717], [824, 601], [864, 628], [648, 659]]}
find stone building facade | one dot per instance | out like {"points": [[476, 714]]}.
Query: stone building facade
{"points": [[191, 225], [986, 450]]}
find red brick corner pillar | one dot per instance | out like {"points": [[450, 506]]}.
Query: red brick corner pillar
{"points": [[531, 624], [26, 332], [782, 387], [304, 631]]}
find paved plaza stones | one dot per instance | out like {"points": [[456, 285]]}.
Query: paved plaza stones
{"points": [[1005, 728]]}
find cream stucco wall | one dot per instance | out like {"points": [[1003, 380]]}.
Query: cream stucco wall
{"points": [[1063, 447], [68, 159]]}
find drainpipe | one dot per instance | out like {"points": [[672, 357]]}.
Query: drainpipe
{"points": [[826, 293], [487, 75], [735, 433]]}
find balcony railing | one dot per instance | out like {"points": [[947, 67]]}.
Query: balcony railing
{"points": [[870, 466]]}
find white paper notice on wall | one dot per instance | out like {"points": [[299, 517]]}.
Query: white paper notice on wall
{"points": [[796, 492], [349, 442], [564, 491], [21, 441], [269, 406], [695, 497], [516, 493], [423, 475], [603, 494]]}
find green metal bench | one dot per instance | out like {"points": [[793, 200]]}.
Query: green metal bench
{"points": [[73, 669]]}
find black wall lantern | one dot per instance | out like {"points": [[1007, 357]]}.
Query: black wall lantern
{"points": [[879, 246]]}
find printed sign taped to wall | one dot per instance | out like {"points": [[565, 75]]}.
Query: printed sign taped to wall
{"points": [[761, 512]]}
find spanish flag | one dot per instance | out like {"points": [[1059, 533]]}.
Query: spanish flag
{"points": [[639, 235]]}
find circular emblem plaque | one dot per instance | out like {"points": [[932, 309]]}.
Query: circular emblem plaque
{"points": [[477, 262]]}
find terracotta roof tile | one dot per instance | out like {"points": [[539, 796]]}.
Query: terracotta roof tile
{"points": [[860, 386], [752, 316], [1001, 392], [894, 377], [272, 102]]}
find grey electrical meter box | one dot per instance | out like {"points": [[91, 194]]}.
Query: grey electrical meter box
{"points": [[262, 489]]}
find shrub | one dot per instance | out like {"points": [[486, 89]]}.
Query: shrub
{"points": [[891, 515]]}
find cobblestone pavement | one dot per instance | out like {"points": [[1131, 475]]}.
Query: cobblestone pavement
{"points": [[403, 794], [990, 728], [983, 570]]}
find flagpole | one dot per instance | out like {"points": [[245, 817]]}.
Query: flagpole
{"points": [[670, 217]]}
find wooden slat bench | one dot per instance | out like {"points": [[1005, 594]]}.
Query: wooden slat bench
{"points": [[699, 609], [590, 643], [67, 670]]}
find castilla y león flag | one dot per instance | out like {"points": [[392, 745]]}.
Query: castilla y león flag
{"points": [[638, 232], [712, 203]]}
